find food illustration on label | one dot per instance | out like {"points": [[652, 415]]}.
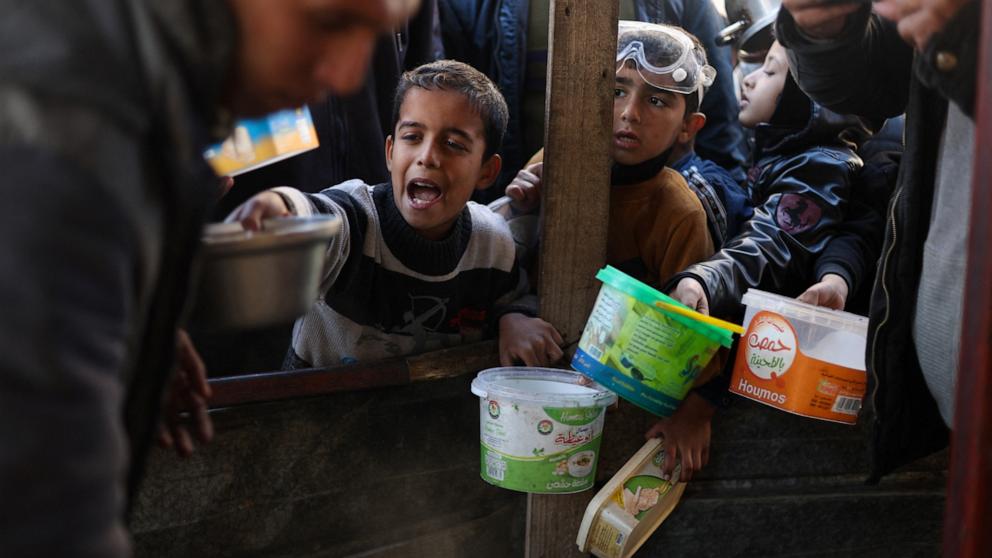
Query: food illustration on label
{"points": [[580, 464], [641, 501]]}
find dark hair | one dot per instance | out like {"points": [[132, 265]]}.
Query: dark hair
{"points": [[481, 92], [692, 99]]}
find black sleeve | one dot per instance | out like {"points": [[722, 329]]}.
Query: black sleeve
{"points": [[865, 71], [958, 44], [68, 297], [774, 252], [854, 252]]}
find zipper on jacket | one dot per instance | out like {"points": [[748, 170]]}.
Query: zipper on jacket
{"points": [[888, 303]]}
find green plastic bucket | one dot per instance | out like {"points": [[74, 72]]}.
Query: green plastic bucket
{"points": [[540, 429], [645, 354]]}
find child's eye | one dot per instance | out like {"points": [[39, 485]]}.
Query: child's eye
{"points": [[619, 92], [410, 137], [455, 145], [657, 101]]}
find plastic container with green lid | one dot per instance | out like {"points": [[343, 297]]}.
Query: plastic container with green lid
{"points": [[645, 354]]}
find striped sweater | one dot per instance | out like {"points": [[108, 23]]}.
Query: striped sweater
{"points": [[387, 291]]}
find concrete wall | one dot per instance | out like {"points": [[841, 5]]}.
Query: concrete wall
{"points": [[394, 472]]}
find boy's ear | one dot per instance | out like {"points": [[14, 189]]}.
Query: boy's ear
{"points": [[691, 125], [389, 153], [490, 170]]}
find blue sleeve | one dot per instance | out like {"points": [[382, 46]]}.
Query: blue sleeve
{"points": [[722, 139]]}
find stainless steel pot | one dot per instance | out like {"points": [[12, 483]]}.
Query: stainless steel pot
{"points": [[253, 279], [750, 26]]}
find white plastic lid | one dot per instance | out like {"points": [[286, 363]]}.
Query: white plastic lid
{"points": [[816, 315], [543, 386]]}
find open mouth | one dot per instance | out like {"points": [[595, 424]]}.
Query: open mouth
{"points": [[423, 193], [626, 139]]}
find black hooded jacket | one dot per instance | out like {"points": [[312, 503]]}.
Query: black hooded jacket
{"points": [[805, 166]]}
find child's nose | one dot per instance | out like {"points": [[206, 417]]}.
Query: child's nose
{"points": [[630, 113], [428, 155]]}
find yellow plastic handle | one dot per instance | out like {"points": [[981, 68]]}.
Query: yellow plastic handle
{"points": [[700, 317]]}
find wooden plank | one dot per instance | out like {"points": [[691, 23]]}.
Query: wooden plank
{"points": [[575, 206], [969, 514], [276, 386]]}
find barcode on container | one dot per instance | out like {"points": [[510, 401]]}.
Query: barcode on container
{"points": [[594, 352], [495, 467], [847, 405]]}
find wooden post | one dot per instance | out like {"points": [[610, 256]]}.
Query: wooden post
{"points": [[969, 514], [575, 205]]}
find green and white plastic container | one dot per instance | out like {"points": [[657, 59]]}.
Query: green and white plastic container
{"points": [[647, 355], [540, 429]]}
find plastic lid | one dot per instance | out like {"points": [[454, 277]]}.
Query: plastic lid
{"points": [[543, 386], [619, 280], [818, 315]]}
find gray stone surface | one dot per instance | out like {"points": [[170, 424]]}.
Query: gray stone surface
{"points": [[394, 473]]}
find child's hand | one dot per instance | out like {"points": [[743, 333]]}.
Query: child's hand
{"points": [[531, 340], [691, 293], [525, 189], [260, 206], [687, 433], [831, 292]]}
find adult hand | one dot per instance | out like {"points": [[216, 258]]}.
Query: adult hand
{"points": [[184, 410], [265, 205], [821, 19], [919, 20], [687, 435], [533, 341], [830, 292], [691, 293], [525, 188]]}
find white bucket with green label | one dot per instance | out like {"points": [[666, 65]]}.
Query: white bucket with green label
{"points": [[540, 429]]}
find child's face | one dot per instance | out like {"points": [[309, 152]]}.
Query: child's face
{"points": [[646, 120], [762, 88], [436, 159]]}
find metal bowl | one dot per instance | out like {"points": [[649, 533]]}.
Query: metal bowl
{"points": [[254, 279]]}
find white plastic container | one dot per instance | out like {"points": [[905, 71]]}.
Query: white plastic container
{"points": [[801, 358], [540, 429], [631, 506]]}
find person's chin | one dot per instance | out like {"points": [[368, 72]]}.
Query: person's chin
{"points": [[626, 158]]}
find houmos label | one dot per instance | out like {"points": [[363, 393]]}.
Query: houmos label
{"points": [[772, 368]]}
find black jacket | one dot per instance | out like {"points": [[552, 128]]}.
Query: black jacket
{"points": [[799, 186], [105, 107], [870, 71]]}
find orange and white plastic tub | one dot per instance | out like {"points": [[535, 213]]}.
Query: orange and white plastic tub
{"points": [[803, 359]]}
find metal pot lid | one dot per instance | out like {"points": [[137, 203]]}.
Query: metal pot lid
{"points": [[275, 232]]}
